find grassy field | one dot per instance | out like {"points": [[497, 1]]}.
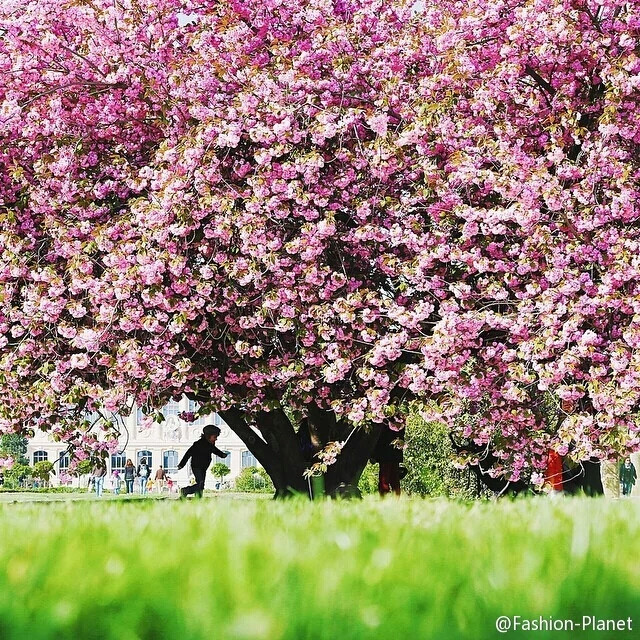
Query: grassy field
{"points": [[74, 496], [236, 569]]}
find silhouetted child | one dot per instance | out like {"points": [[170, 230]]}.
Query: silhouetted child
{"points": [[200, 453]]}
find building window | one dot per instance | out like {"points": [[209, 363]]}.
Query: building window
{"points": [[40, 456], [118, 461], [248, 460], [170, 461], [171, 409], [226, 460], [141, 415], [211, 418], [63, 462], [194, 407], [92, 417], [147, 455]]}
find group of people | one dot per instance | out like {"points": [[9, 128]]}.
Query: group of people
{"points": [[200, 454], [129, 476], [388, 453]]}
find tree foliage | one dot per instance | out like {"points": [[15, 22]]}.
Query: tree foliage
{"points": [[428, 457], [84, 467], [220, 470], [339, 206], [253, 479], [14, 446], [16, 474], [43, 470]]}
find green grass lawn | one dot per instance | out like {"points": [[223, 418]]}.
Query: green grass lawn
{"points": [[259, 569], [83, 495]]}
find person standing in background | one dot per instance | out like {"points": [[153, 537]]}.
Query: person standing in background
{"points": [[143, 474], [116, 482], [388, 453], [160, 477], [129, 475], [628, 476], [99, 472]]}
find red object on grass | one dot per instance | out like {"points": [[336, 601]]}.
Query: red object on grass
{"points": [[389, 478], [554, 470]]}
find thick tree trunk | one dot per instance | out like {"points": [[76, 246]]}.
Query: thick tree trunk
{"points": [[321, 425], [285, 456], [610, 475], [342, 477], [585, 477], [279, 433], [258, 447], [275, 447]]}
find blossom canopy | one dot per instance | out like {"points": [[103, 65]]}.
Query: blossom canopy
{"points": [[330, 204]]}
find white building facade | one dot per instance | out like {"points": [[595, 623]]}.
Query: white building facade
{"points": [[162, 444]]}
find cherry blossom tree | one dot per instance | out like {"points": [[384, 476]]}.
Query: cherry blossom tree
{"points": [[532, 137], [307, 216]]}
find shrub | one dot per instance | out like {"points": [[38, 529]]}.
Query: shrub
{"points": [[428, 459], [254, 479], [17, 474]]}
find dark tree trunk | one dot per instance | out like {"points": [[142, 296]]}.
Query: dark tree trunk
{"points": [[285, 454], [258, 447], [501, 486], [275, 446], [279, 433], [585, 477], [342, 477]]}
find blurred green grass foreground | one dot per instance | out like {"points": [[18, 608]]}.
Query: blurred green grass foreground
{"points": [[266, 570]]}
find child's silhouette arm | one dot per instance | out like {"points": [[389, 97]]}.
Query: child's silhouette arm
{"points": [[185, 458]]}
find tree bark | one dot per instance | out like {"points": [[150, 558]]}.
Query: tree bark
{"points": [[342, 477], [258, 447], [318, 425], [278, 431], [279, 449]]}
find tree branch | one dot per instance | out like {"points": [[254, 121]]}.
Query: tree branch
{"points": [[258, 447], [530, 71]]}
